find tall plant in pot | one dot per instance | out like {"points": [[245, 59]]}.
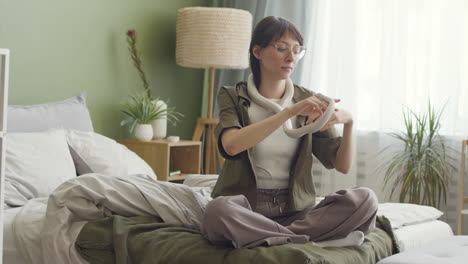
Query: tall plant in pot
{"points": [[164, 113], [420, 170]]}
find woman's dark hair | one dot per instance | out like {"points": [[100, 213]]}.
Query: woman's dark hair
{"points": [[269, 29]]}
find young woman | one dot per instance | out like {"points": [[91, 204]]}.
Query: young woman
{"points": [[265, 192]]}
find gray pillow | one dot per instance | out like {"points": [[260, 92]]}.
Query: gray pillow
{"points": [[71, 113]]}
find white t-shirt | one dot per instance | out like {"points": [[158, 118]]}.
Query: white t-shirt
{"points": [[274, 154]]}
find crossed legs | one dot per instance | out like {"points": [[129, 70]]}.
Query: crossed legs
{"points": [[231, 219]]}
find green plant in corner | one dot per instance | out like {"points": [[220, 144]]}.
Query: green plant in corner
{"points": [[421, 170], [143, 108]]}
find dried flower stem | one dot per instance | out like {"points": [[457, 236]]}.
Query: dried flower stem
{"points": [[131, 40]]}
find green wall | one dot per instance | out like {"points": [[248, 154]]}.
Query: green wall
{"points": [[59, 48]]}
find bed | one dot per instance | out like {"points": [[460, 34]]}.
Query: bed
{"points": [[107, 216], [175, 239]]}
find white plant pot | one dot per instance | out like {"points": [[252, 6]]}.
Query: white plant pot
{"points": [[160, 125], [143, 132]]}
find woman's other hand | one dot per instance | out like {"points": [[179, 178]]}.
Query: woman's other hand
{"points": [[340, 116]]}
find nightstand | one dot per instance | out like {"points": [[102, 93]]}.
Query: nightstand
{"points": [[162, 156]]}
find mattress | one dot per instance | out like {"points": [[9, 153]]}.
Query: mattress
{"points": [[414, 236], [451, 250], [10, 252]]}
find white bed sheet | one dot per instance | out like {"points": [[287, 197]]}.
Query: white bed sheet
{"points": [[10, 251], [414, 236]]}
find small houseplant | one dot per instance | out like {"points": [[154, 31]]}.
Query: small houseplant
{"points": [[421, 170], [139, 109]]}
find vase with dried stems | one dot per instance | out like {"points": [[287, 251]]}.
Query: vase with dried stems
{"points": [[158, 112]]}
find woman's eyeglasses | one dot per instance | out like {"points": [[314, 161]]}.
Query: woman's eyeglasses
{"points": [[284, 49]]}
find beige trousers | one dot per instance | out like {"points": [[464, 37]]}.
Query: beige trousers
{"points": [[231, 220]]}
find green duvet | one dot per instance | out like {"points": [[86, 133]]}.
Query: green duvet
{"points": [[146, 239]]}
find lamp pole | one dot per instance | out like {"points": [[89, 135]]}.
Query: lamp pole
{"points": [[210, 92], [206, 126]]}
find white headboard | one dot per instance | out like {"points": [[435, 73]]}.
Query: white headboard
{"points": [[4, 73]]}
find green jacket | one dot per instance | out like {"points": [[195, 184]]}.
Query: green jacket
{"points": [[238, 173]]}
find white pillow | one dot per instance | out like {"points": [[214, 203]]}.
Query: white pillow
{"points": [[95, 153], [403, 214], [71, 113], [35, 164]]}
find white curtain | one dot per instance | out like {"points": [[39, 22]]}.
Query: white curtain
{"points": [[379, 56]]}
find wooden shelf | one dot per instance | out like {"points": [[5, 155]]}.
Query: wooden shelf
{"points": [[178, 177], [162, 156]]}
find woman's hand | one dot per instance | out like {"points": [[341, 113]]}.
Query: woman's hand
{"points": [[338, 117], [312, 107]]}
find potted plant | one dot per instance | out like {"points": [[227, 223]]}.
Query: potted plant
{"points": [[141, 112], [421, 170], [162, 113]]}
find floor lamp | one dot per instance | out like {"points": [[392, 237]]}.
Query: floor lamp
{"points": [[212, 38]]}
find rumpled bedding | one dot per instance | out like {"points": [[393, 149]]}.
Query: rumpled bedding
{"points": [[95, 196], [96, 218], [148, 240]]}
